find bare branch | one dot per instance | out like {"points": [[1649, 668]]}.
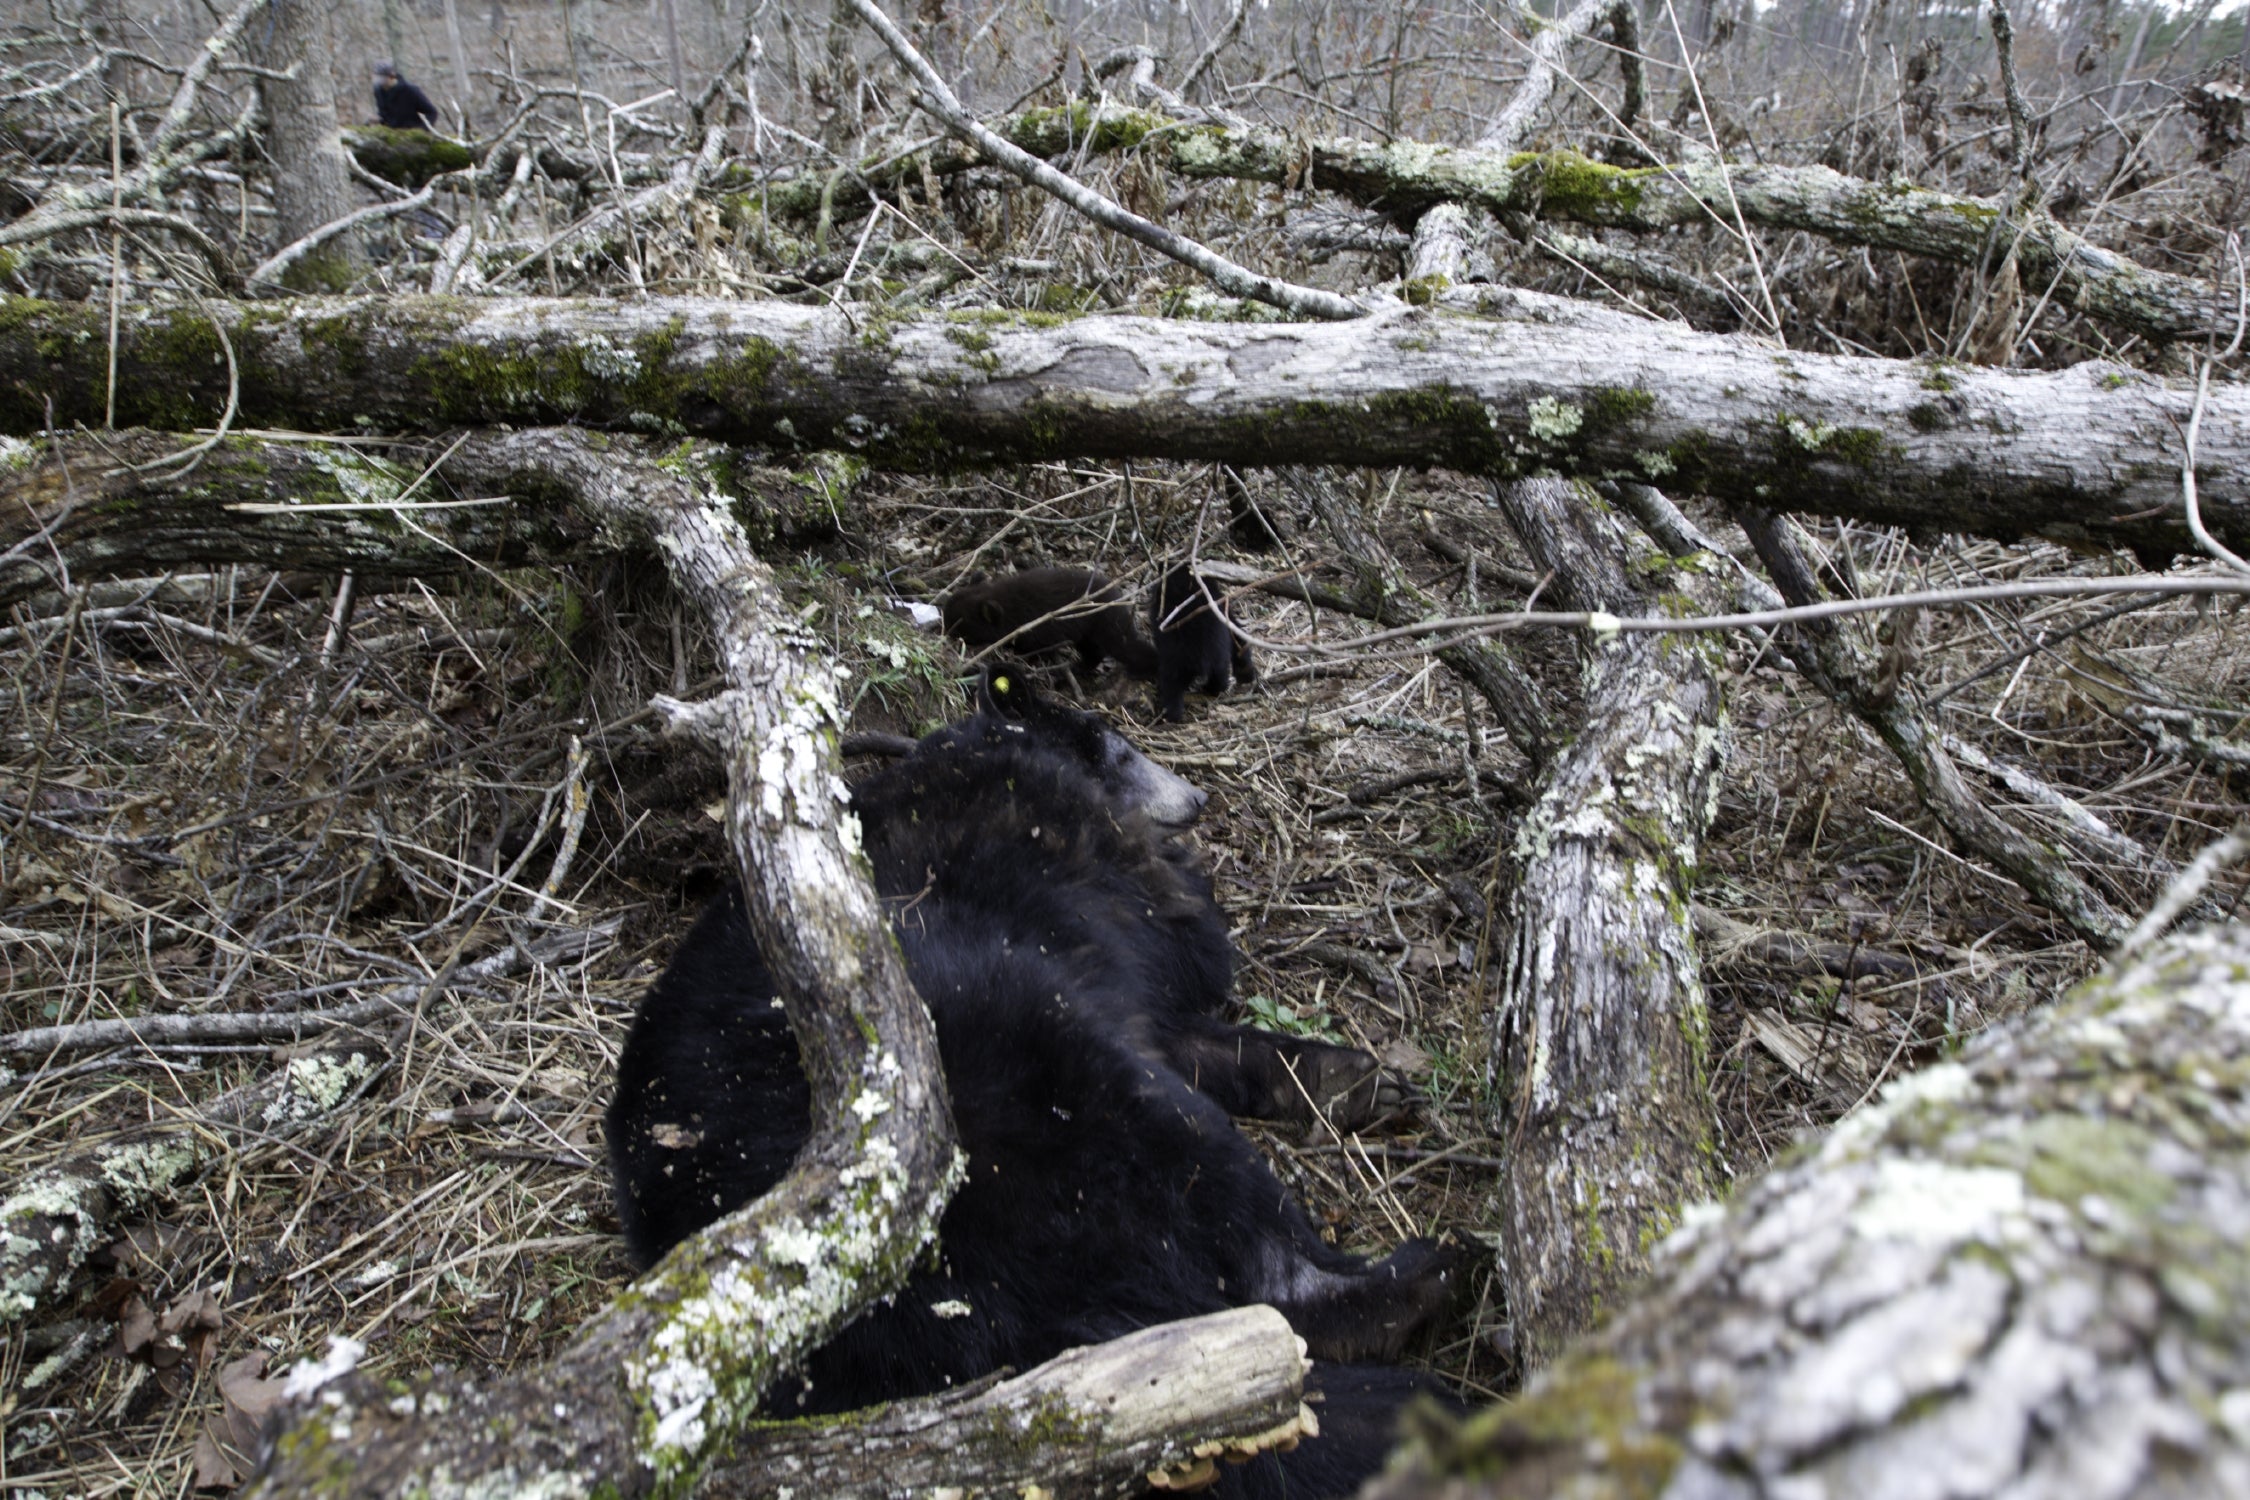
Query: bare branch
{"points": [[1309, 302]]}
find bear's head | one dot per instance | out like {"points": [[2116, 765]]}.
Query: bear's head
{"points": [[1007, 703]]}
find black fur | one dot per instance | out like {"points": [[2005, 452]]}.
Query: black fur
{"points": [[1045, 609], [1195, 651], [1073, 957]]}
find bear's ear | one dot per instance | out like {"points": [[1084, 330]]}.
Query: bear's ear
{"points": [[1006, 692]]}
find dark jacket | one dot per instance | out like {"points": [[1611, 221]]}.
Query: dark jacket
{"points": [[402, 106]]}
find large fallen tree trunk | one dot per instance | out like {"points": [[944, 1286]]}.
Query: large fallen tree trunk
{"points": [[2020, 1274], [1533, 383], [1599, 1053], [1405, 179]]}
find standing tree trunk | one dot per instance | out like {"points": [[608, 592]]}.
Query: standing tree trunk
{"points": [[461, 93], [312, 183]]}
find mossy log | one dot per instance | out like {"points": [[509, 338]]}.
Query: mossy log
{"points": [[1505, 383], [1407, 178], [406, 157], [650, 1390], [2020, 1274], [1602, 1093]]}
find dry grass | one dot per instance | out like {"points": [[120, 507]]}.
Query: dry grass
{"points": [[220, 822]]}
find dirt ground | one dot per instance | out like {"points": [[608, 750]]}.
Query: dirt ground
{"points": [[206, 813]]}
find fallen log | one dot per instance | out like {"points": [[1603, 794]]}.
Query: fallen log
{"points": [[2017, 1274], [1503, 383]]}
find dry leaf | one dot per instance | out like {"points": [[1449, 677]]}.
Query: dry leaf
{"points": [[213, 1469], [1402, 1056], [136, 1326]]}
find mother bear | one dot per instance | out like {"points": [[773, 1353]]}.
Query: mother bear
{"points": [[1074, 959]]}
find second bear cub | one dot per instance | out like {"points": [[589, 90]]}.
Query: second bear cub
{"points": [[1045, 609], [1195, 649]]}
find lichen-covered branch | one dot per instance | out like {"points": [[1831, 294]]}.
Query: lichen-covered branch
{"points": [[50, 1222], [59, 1215], [1870, 691], [1404, 179], [2019, 1274], [648, 1392], [1502, 382], [1599, 1052], [1178, 1399]]}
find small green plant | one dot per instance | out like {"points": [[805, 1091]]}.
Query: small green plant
{"points": [[1313, 1021]]}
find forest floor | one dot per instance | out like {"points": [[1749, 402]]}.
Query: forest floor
{"points": [[220, 821]]}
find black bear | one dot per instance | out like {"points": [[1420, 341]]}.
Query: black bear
{"points": [[1073, 957], [1045, 609], [1195, 649]]}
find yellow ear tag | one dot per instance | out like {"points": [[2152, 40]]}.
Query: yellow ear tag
{"points": [[1000, 684]]}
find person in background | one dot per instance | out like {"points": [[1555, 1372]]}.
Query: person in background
{"points": [[400, 104]]}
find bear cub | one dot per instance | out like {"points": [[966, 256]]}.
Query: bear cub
{"points": [[1195, 650], [1074, 960], [1039, 610]]}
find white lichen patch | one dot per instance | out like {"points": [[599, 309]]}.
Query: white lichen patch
{"points": [[1654, 465], [1933, 1202], [783, 1287], [794, 762], [1552, 420], [359, 479], [313, 1086], [1811, 436], [309, 1375], [16, 453], [607, 360]]}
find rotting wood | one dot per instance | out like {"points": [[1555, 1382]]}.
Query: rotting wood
{"points": [[2021, 1271], [1177, 1399], [1497, 382], [1599, 1052]]}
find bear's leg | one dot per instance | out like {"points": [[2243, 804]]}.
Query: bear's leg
{"points": [[1245, 667], [1267, 1076], [1368, 1313], [1172, 676]]}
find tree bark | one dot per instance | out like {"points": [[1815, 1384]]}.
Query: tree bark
{"points": [[2018, 1274], [1536, 383], [650, 1391], [1599, 1053], [1173, 1400], [312, 183]]}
